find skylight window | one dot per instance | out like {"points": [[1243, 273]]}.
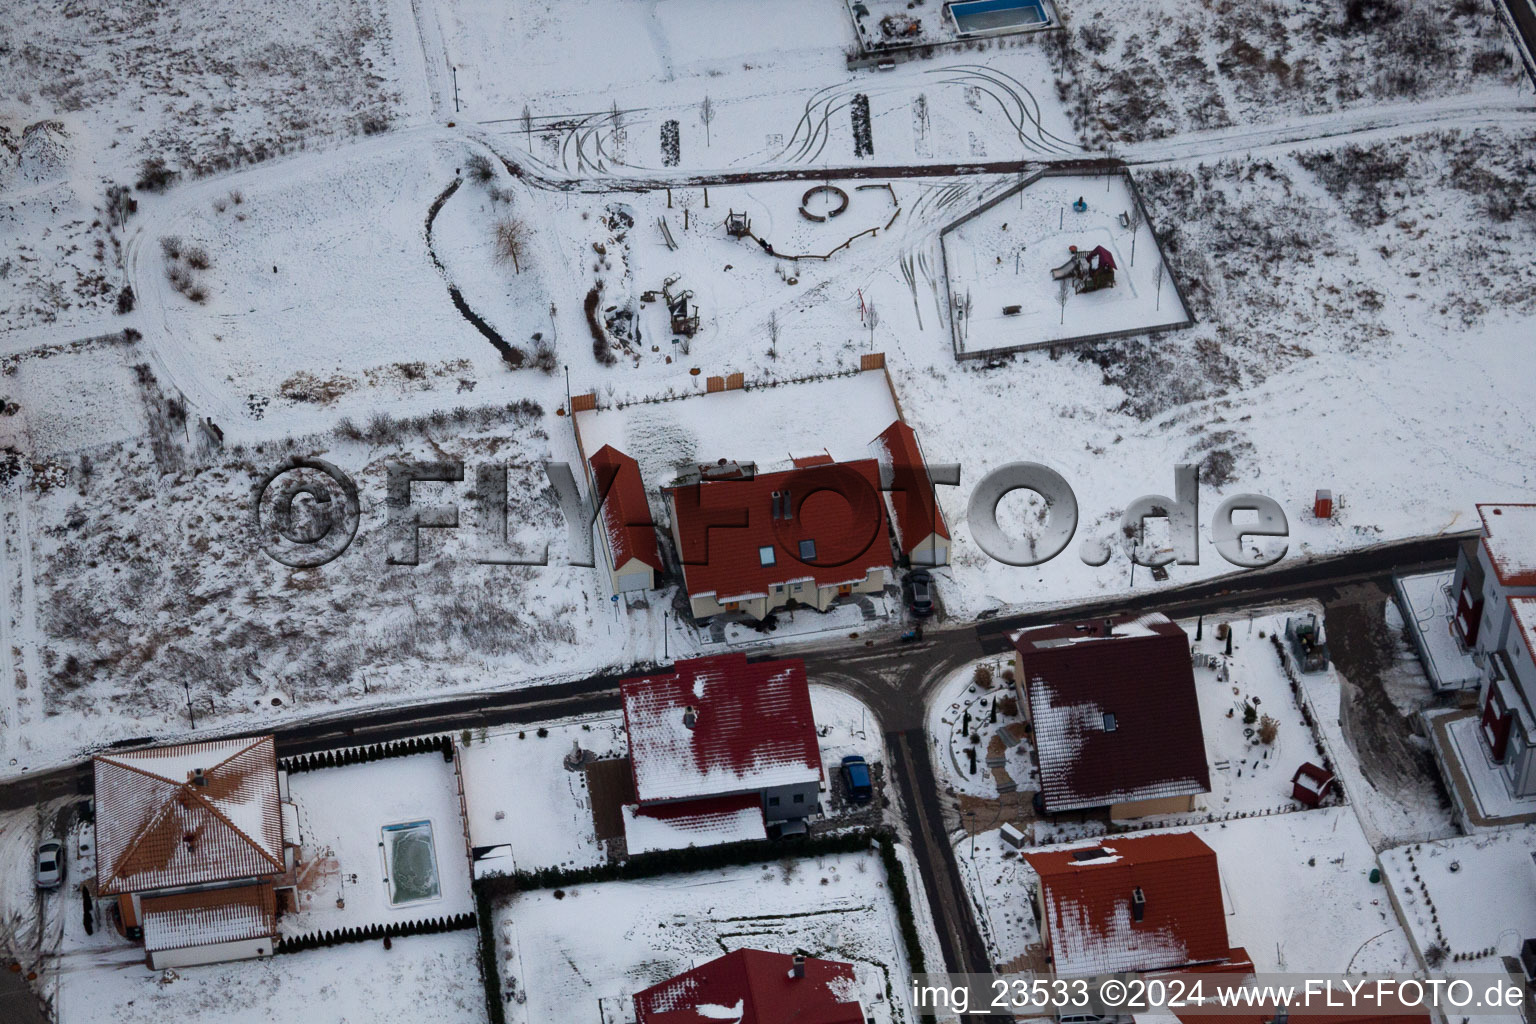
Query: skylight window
{"points": [[765, 555], [807, 550], [1110, 725]]}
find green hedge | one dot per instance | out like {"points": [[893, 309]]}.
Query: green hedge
{"points": [[368, 933], [371, 752], [901, 894]]}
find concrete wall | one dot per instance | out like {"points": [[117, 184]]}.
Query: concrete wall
{"points": [[219, 952]]}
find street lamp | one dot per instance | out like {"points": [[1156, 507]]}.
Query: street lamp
{"points": [[190, 713]]}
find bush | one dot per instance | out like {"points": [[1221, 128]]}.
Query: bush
{"points": [[155, 176], [171, 245], [983, 676], [125, 300], [602, 351], [1268, 729], [197, 258], [478, 169]]}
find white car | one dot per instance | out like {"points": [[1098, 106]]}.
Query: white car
{"points": [[50, 864]]}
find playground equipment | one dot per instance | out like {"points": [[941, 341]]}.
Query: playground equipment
{"points": [[685, 319], [1081, 206], [737, 225], [1089, 271], [831, 190]]}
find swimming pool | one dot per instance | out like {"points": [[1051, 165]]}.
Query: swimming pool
{"points": [[411, 858], [977, 17]]}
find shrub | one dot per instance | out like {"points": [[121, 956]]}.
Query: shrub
{"points": [[197, 258], [478, 169], [601, 350], [171, 246], [155, 176], [125, 300], [983, 676], [1268, 728]]}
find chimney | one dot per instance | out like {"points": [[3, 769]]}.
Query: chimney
{"points": [[797, 967], [1138, 904], [690, 716], [1109, 627], [788, 513], [197, 777], [774, 503]]}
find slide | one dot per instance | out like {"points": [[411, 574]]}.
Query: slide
{"points": [[1065, 270]]}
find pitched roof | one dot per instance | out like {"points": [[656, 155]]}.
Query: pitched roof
{"points": [[750, 986], [203, 918], [707, 822], [1137, 670], [753, 728], [1088, 904], [723, 527], [1509, 537], [157, 827], [914, 507], [1523, 611], [624, 510]]}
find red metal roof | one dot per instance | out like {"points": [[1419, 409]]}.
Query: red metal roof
{"points": [[913, 504], [1075, 675], [751, 986], [1088, 904], [723, 527], [753, 728], [625, 512], [157, 827], [1509, 537], [206, 918]]}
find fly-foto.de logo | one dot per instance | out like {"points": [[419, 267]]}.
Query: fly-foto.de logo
{"points": [[307, 512]]}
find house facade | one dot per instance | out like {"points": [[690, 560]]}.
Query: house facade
{"points": [[1495, 616], [191, 848], [1152, 903], [718, 728], [1112, 708], [752, 543], [630, 552], [753, 986]]}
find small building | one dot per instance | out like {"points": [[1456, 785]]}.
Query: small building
{"points": [[921, 533], [630, 551], [1497, 566], [752, 986], [1311, 783], [806, 537], [190, 847], [723, 727], [1116, 722], [1152, 903]]}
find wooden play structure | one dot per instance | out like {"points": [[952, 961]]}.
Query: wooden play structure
{"points": [[1088, 271], [684, 316]]}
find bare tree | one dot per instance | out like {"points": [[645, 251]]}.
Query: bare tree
{"points": [[1133, 218], [511, 242], [1062, 294], [773, 334], [1157, 277], [527, 119], [706, 115], [872, 315]]}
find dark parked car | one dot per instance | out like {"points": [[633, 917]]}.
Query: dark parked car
{"points": [[50, 864], [920, 582], [856, 774]]}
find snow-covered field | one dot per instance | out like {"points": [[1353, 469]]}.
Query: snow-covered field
{"points": [[595, 946], [425, 979]]}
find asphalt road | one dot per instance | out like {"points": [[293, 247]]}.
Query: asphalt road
{"points": [[893, 678]]}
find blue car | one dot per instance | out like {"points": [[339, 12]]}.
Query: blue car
{"points": [[856, 773]]}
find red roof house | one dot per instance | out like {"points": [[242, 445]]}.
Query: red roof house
{"points": [[629, 535], [809, 535], [750, 986], [171, 822], [1151, 903], [721, 726], [1114, 715], [921, 532]]}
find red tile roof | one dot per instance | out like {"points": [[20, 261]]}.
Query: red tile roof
{"points": [[625, 512], [1074, 675], [204, 918], [1088, 905], [707, 822], [723, 525], [1509, 537], [753, 728], [751, 986], [913, 504], [157, 828]]}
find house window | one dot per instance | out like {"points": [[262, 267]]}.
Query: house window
{"points": [[799, 798], [765, 555], [773, 801], [807, 550], [1110, 725]]}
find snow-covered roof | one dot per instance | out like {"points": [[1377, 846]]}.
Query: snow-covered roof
{"points": [[623, 508], [752, 728], [1523, 611], [728, 819], [1089, 896], [189, 814], [1509, 536], [205, 918], [914, 507], [1114, 711], [751, 986]]}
